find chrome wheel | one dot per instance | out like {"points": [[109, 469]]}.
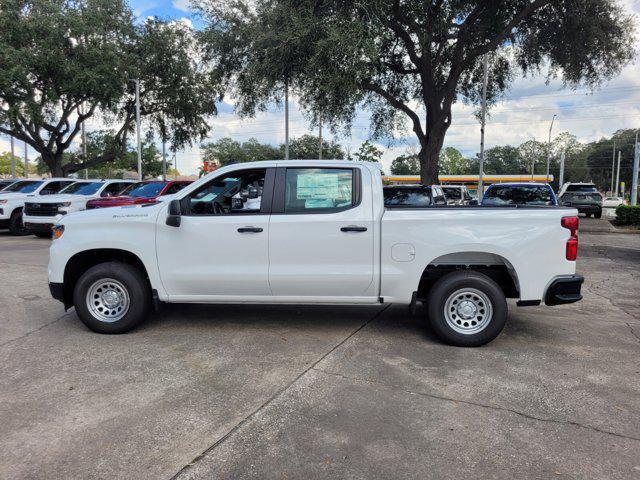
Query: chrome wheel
{"points": [[468, 311], [108, 300]]}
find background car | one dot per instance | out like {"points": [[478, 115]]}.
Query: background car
{"points": [[500, 194], [585, 197], [41, 214], [13, 197], [138, 193], [456, 194], [5, 183], [413, 196], [613, 202]]}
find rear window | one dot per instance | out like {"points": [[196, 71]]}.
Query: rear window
{"points": [[518, 195], [582, 188], [144, 189], [414, 197]]}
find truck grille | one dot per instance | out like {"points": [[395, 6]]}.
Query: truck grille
{"points": [[41, 209]]}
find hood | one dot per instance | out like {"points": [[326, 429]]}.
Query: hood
{"points": [[64, 197], [106, 216], [14, 195]]}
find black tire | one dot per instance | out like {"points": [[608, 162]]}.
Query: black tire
{"points": [[42, 234], [444, 290], [598, 215], [129, 278], [587, 215], [16, 227]]}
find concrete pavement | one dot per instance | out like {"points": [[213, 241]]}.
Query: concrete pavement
{"points": [[321, 392]]}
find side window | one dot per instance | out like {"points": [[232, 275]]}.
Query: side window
{"points": [[54, 187], [319, 190], [113, 189], [438, 196], [175, 188], [235, 194]]}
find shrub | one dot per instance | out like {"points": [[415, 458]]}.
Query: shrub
{"points": [[628, 215]]}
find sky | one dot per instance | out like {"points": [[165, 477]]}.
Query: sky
{"points": [[524, 113]]}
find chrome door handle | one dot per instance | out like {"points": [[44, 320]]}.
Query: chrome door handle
{"points": [[249, 230], [353, 228]]}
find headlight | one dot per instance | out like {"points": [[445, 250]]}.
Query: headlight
{"points": [[64, 204], [57, 230]]}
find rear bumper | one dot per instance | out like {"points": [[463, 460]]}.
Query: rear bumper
{"points": [[564, 290], [589, 208]]}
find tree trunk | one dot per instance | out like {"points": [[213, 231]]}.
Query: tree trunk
{"points": [[429, 155], [54, 163]]}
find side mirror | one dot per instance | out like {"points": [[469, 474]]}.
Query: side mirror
{"points": [[566, 204], [174, 214], [473, 202]]}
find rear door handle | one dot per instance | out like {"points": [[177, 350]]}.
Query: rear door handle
{"points": [[353, 228], [249, 230]]}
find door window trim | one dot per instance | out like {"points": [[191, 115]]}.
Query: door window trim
{"points": [[265, 202], [279, 192]]}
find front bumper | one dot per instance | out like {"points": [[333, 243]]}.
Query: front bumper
{"points": [[57, 291], [38, 227], [564, 290]]}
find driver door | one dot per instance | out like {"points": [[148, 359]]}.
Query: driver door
{"points": [[220, 250]]}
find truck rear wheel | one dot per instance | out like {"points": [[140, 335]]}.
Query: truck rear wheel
{"points": [[467, 309], [112, 297]]}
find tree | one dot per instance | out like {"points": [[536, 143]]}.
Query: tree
{"points": [[65, 62], [307, 147], [405, 165], [452, 162], [227, 151], [533, 155], [5, 165], [368, 152], [403, 59]]}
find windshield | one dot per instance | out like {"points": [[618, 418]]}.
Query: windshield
{"points": [[82, 188], [144, 189], [416, 197], [25, 186], [518, 195], [582, 188], [453, 193]]}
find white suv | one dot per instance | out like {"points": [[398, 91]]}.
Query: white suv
{"points": [[13, 197], [41, 214]]}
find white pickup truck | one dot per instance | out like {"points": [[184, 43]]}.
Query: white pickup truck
{"points": [[313, 232]]}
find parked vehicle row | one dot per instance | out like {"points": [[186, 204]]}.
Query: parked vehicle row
{"points": [[34, 206]]}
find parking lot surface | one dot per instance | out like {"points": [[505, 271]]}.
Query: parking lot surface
{"points": [[244, 391]]}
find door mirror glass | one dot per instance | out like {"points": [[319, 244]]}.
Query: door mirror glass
{"points": [[174, 213]]}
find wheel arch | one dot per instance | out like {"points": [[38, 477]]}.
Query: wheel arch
{"points": [[82, 261], [495, 266]]}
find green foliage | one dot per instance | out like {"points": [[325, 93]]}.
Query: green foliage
{"points": [[62, 62], [452, 162], [5, 165], [368, 152], [405, 165], [404, 58], [628, 215], [307, 147]]}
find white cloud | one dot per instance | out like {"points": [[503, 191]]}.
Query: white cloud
{"points": [[184, 5]]}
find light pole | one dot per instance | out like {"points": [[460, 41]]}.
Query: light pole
{"points": [[13, 159], [549, 148], [286, 119], [483, 118], [26, 161], [137, 83]]}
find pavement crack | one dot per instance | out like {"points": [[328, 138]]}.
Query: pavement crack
{"points": [[265, 404], [633, 332], [481, 405], [35, 330]]}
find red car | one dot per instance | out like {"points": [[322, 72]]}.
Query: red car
{"points": [[140, 192]]}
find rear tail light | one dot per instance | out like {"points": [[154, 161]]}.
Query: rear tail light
{"points": [[571, 223]]}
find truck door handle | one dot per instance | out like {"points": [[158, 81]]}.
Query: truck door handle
{"points": [[249, 230], [353, 228]]}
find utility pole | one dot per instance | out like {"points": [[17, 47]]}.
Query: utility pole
{"points": [[561, 180], [164, 156], [634, 177], [483, 118], [286, 119], [13, 159], [613, 164], [137, 82], [618, 175], [26, 162], [320, 137], [175, 166], [84, 151], [549, 148]]}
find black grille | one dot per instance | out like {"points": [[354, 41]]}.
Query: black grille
{"points": [[41, 209]]}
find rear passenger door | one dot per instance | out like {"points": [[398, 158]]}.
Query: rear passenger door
{"points": [[321, 234]]}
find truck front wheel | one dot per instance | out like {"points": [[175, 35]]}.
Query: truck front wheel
{"points": [[112, 297], [467, 309]]}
